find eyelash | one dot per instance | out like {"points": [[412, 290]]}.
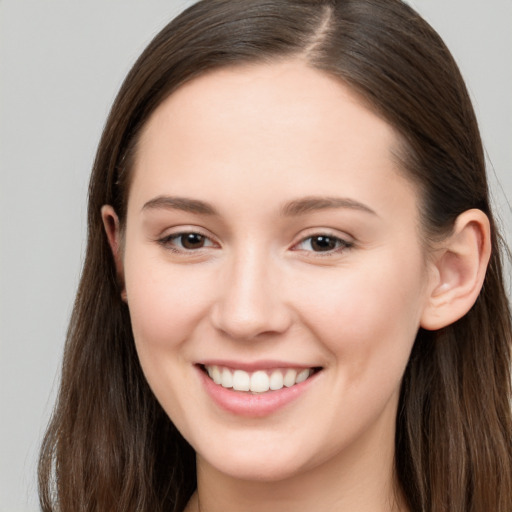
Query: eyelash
{"points": [[340, 245], [169, 242]]}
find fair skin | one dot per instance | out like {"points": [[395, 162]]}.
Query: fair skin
{"points": [[269, 229]]}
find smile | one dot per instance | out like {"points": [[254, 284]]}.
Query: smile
{"points": [[260, 381]]}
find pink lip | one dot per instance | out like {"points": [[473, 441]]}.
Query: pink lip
{"points": [[253, 405]]}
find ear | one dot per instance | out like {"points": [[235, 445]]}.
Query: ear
{"points": [[458, 271], [113, 231]]}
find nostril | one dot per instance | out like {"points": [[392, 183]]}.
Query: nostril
{"points": [[247, 322]]}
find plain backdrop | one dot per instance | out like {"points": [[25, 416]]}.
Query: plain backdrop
{"points": [[61, 63]]}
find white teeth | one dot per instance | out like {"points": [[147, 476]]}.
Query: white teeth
{"points": [[241, 380], [216, 375], [227, 378], [276, 380], [289, 378], [260, 381], [302, 376]]}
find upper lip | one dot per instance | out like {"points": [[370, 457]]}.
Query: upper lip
{"points": [[253, 366]]}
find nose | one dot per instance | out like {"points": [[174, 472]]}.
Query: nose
{"points": [[250, 302]]}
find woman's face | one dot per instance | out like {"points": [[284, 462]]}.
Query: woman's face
{"points": [[270, 238]]}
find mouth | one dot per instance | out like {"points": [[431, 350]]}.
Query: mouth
{"points": [[260, 381]]}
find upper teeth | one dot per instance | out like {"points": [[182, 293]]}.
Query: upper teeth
{"points": [[259, 381]]}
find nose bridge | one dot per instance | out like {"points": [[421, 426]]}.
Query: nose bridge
{"points": [[249, 302]]}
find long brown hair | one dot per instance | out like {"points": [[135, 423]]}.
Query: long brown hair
{"points": [[110, 446]]}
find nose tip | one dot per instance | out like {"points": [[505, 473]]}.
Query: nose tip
{"points": [[250, 306], [249, 323]]}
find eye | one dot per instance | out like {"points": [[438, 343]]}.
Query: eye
{"points": [[322, 243], [189, 241]]}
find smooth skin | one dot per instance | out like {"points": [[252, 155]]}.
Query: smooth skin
{"points": [[259, 162]]}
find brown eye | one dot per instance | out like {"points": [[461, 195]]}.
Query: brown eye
{"points": [[188, 241], [192, 240], [323, 243]]}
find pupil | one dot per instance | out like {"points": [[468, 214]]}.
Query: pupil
{"points": [[192, 241], [323, 243]]}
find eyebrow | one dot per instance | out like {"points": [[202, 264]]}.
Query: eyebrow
{"points": [[290, 209], [180, 203], [314, 203]]}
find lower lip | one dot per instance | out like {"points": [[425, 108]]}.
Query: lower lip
{"points": [[244, 403]]}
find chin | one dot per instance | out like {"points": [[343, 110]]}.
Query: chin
{"points": [[257, 465], [258, 472]]}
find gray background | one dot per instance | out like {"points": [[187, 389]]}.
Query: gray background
{"points": [[61, 63]]}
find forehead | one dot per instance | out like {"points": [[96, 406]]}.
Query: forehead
{"points": [[262, 99], [256, 128]]}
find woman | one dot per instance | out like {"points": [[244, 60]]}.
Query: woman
{"points": [[292, 297]]}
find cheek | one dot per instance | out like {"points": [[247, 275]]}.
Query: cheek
{"points": [[166, 302], [367, 316]]}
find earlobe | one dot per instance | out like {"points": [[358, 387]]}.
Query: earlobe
{"points": [[459, 268], [113, 232]]}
